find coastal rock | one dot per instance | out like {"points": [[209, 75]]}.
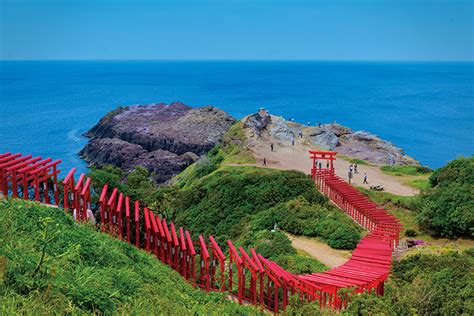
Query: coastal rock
{"points": [[280, 129], [163, 138], [335, 137], [369, 147], [360, 144], [325, 139], [258, 122]]}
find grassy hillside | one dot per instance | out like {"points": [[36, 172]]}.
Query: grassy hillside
{"points": [[51, 265], [243, 203]]}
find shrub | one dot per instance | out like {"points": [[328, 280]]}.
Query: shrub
{"points": [[448, 208], [410, 233], [298, 264], [300, 217], [423, 285], [219, 203], [343, 238], [459, 171], [271, 245]]}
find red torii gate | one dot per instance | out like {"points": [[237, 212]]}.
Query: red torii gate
{"points": [[322, 155]]}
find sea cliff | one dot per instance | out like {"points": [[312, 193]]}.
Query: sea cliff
{"points": [[163, 138]]}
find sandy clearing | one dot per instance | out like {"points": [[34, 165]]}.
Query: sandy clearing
{"points": [[288, 157], [320, 251]]}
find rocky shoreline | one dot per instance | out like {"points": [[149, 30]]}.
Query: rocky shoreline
{"points": [[167, 138], [343, 140], [163, 138]]}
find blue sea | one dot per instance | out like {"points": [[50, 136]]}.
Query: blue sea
{"points": [[425, 108]]}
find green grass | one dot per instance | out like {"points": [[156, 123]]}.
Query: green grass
{"points": [[86, 272], [234, 148], [420, 184], [355, 160], [440, 284], [406, 170]]}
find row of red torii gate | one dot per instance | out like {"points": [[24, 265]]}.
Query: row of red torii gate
{"points": [[246, 275]]}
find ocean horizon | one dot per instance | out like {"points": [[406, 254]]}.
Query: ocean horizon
{"points": [[426, 108]]}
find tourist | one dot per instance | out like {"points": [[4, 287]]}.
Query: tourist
{"points": [[264, 161], [365, 177], [301, 134], [319, 124], [349, 175], [327, 164], [308, 123], [350, 168], [320, 165], [293, 141], [355, 169], [271, 147]]}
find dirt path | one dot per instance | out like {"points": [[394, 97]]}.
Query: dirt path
{"points": [[320, 251], [286, 156]]}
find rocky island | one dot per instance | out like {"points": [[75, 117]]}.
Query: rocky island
{"points": [[164, 138]]}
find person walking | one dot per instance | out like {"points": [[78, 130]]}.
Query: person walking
{"points": [[319, 124], [293, 141], [355, 169], [320, 165], [349, 175], [264, 162], [350, 168], [271, 147], [365, 178]]}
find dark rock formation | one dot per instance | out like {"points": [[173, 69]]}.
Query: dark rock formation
{"points": [[258, 122], [163, 138]]}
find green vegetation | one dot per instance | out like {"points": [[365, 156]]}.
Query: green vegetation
{"points": [[419, 285], [424, 285], [233, 147], [238, 202], [302, 218], [420, 184], [299, 264], [354, 160], [406, 170], [52, 265], [447, 208], [218, 203], [212, 198]]}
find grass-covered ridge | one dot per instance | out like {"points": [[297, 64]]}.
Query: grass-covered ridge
{"points": [[244, 204], [52, 265], [238, 202]]}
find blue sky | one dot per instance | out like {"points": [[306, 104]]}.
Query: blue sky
{"points": [[226, 29]]}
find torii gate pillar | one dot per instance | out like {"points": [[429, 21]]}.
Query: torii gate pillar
{"points": [[322, 155]]}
